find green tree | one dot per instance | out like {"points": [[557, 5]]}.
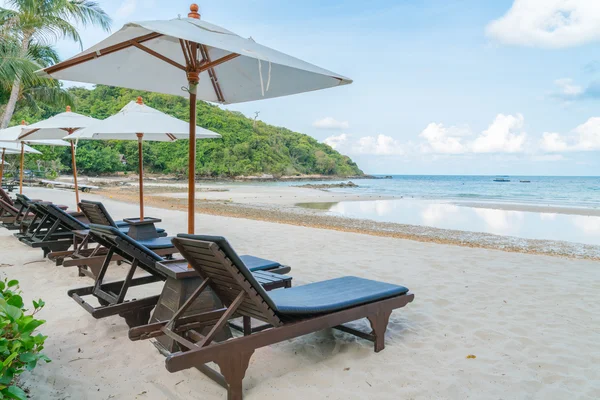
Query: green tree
{"points": [[43, 22]]}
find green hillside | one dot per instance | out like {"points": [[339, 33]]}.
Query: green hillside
{"points": [[243, 150]]}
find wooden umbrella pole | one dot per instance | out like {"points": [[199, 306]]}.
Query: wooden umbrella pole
{"points": [[141, 170], [74, 163], [192, 156], [2, 166], [21, 172]]}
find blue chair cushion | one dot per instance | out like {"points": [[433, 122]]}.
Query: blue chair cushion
{"points": [[332, 295], [157, 243], [258, 264]]}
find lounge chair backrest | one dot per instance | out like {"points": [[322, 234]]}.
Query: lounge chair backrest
{"points": [[4, 196], [96, 213], [22, 199], [126, 247], [213, 257], [65, 218], [9, 208]]}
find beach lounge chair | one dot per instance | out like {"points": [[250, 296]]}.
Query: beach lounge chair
{"points": [[52, 228], [8, 216], [4, 196], [291, 312], [89, 260], [142, 254]]}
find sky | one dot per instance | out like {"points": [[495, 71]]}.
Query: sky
{"points": [[503, 87]]}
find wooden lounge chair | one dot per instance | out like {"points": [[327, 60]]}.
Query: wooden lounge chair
{"points": [[89, 260], [4, 196], [291, 312], [8, 215], [51, 228], [142, 254]]}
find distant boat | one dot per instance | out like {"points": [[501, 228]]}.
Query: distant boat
{"points": [[501, 180], [525, 181]]}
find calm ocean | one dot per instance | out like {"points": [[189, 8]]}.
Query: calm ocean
{"points": [[543, 190]]}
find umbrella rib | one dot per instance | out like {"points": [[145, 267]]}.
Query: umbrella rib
{"points": [[217, 62], [157, 55], [185, 54], [212, 75], [99, 53], [21, 137]]}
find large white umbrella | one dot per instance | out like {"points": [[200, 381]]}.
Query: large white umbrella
{"points": [[12, 148], [209, 62], [12, 135], [55, 128], [137, 121]]}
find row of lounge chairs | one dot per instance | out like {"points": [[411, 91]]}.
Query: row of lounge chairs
{"points": [[207, 286]]}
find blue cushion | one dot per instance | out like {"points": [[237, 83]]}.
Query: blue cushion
{"points": [[104, 230], [157, 243], [258, 264], [332, 295]]}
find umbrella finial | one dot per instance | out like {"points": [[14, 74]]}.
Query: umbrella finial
{"points": [[194, 11], [139, 100], [23, 122], [68, 108]]}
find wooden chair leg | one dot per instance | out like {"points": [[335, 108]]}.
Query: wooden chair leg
{"points": [[379, 323], [233, 367]]}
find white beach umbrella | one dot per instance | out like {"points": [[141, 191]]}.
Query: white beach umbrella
{"points": [[210, 62], [13, 148], [137, 121], [55, 128], [12, 135]]}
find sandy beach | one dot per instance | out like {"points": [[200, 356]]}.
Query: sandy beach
{"points": [[530, 320]]}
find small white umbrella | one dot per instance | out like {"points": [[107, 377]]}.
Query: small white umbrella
{"points": [[12, 148], [210, 62], [137, 121], [12, 135], [55, 128]]}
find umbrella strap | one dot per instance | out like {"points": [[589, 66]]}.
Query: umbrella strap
{"points": [[262, 86]]}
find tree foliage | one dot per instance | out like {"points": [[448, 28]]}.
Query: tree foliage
{"points": [[243, 150]]}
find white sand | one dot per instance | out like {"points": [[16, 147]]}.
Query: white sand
{"points": [[532, 321], [276, 195]]}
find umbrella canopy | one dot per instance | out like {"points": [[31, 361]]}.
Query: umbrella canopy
{"points": [[137, 121], [12, 148], [55, 128], [12, 135], [210, 62], [136, 118]]}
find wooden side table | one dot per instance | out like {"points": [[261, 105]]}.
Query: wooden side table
{"points": [[142, 229], [182, 282]]}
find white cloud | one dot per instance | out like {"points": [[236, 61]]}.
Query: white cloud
{"points": [[330, 123], [380, 145], [336, 141], [585, 137], [567, 87], [548, 23], [504, 135], [441, 140], [127, 8], [553, 142]]}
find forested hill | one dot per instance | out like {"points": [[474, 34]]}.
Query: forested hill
{"points": [[245, 149]]}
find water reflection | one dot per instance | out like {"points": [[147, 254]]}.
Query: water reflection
{"points": [[531, 225]]}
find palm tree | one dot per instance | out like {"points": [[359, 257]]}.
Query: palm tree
{"points": [[43, 22], [34, 90]]}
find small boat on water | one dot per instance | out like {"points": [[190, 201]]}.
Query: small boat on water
{"points": [[501, 180], [525, 181]]}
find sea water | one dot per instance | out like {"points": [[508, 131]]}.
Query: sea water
{"points": [[440, 199]]}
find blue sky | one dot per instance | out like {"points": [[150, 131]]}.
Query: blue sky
{"points": [[461, 87]]}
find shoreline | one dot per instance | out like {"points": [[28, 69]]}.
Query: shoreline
{"points": [[280, 210]]}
